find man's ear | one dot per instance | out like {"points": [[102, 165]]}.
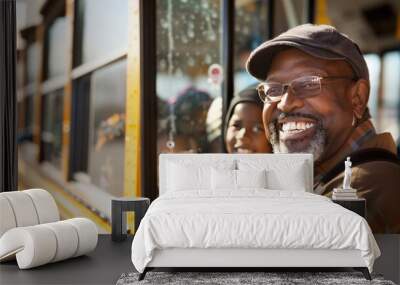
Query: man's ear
{"points": [[359, 97]]}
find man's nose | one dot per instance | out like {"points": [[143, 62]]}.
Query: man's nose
{"points": [[289, 102]]}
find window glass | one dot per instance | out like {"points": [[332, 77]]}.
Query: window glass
{"points": [[374, 66], [25, 119], [107, 127], [32, 62], [52, 126], [57, 48], [20, 68], [384, 103], [251, 29], [288, 14], [390, 118], [188, 44], [103, 28], [80, 124], [29, 103], [20, 117]]}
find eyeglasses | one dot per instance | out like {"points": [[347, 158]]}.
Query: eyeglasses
{"points": [[302, 87]]}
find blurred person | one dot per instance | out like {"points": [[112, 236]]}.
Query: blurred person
{"points": [[316, 88], [244, 130], [186, 127], [214, 126], [105, 167]]}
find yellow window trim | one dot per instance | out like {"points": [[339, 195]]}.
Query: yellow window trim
{"points": [[132, 126], [321, 13]]}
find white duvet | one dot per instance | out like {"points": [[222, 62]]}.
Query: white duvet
{"points": [[254, 218]]}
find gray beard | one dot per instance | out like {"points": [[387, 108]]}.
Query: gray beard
{"points": [[316, 146]]}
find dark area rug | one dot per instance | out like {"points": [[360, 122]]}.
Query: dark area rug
{"points": [[225, 278]]}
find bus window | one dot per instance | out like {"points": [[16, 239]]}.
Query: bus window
{"points": [[389, 119], [251, 29], [99, 96], [55, 70], [384, 100], [51, 136], [107, 128], [188, 40], [32, 62], [288, 14], [57, 49], [98, 38]]}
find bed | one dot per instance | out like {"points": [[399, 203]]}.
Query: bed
{"points": [[245, 211]]}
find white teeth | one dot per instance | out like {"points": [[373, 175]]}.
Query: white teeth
{"points": [[292, 126], [243, 150], [301, 126], [285, 127]]}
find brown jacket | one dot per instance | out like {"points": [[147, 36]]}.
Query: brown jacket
{"points": [[376, 181]]}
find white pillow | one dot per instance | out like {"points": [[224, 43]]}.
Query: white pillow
{"points": [[236, 179], [223, 179], [187, 177], [293, 180], [280, 174], [251, 178], [191, 172]]}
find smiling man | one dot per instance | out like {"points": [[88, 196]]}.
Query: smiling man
{"points": [[315, 88]]}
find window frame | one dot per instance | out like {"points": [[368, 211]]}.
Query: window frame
{"points": [[148, 104], [26, 88], [148, 125], [81, 106], [50, 11], [8, 102]]}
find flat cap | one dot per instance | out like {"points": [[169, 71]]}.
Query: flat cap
{"points": [[320, 41]]}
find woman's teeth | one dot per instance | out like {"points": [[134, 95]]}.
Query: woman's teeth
{"points": [[296, 126]]}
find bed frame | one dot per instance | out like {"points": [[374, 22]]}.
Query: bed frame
{"points": [[246, 259], [259, 259]]}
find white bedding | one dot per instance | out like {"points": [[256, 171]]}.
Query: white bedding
{"points": [[252, 218]]}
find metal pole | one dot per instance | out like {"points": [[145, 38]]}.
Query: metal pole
{"points": [[310, 18], [228, 28], [270, 18], [148, 100], [8, 119]]}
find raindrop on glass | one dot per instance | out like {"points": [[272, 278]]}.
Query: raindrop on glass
{"points": [[164, 24], [204, 4], [211, 36], [163, 64], [208, 59]]}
